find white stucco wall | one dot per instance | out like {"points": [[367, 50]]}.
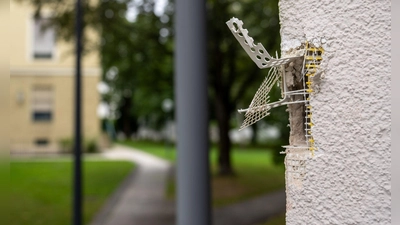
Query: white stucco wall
{"points": [[349, 181]]}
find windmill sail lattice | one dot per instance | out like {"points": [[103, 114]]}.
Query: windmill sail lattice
{"points": [[309, 54], [256, 52], [260, 106]]}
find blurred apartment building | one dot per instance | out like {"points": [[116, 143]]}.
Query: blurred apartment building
{"points": [[42, 85]]}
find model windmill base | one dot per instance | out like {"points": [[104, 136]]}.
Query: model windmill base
{"points": [[259, 107]]}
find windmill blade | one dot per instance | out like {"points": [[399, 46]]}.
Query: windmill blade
{"points": [[256, 52], [259, 107]]}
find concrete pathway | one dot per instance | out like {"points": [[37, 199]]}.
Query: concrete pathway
{"points": [[140, 200]]}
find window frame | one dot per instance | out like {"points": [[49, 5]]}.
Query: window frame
{"points": [[31, 40], [42, 115], [41, 142]]}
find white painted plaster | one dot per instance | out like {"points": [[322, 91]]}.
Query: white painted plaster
{"points": [[350, 182]]}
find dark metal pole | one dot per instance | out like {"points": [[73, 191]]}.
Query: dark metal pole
{"points": [[192, 120], [77, 180]]}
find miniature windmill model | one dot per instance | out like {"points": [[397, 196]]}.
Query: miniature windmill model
{"points": [[260, 105]]}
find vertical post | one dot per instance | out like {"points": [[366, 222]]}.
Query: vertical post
{"points": [[77, 179], [191, 114]]}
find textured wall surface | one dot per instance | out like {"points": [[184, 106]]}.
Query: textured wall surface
{"points": [[348, 181]]}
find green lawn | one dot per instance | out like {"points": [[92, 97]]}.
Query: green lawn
{"points": [[278, 220], [41, 191], [256, 174]]}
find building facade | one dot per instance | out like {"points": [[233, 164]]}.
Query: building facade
{"points": [[348, 180], [42, 85]]}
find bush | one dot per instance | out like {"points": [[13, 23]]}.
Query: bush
{"points": [[91, 146], [67, 145]]}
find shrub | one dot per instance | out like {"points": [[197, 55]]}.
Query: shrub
{"points": [[91, 146], [67, 145]]}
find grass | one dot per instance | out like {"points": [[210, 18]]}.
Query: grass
{"points": [[256, 174], [278, 220], [41, 192]]}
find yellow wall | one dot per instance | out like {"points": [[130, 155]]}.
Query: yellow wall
{"points": [[21, 15], [26, 72], [24, 131]]}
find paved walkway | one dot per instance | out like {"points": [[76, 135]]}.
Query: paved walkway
{"points": [[140, 199]]}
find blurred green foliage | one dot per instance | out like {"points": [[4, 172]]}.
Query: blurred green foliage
{"points": [[137, 60], [277, 220], [67, 145], [233, 76]]}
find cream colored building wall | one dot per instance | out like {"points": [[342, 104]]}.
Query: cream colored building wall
{"points": [[26, 72], [24, 131], [21, 15]]}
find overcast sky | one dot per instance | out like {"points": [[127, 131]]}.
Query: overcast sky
{"points": [[132, 11]]}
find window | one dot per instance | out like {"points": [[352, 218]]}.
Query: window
{"points": [[41, 142], [43, 39], [42, 103], [41, 116]]}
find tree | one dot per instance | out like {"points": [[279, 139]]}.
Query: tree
{"points": [[146, 71], [136, 54], [232, 74], [136, 58]]}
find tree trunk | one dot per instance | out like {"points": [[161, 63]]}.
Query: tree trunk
{"points": [[125, 117], [254, 127], [221, 82], [224, 145]]}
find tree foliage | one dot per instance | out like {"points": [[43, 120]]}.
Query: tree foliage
{"points": [[137, 59], [233, 77]]}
